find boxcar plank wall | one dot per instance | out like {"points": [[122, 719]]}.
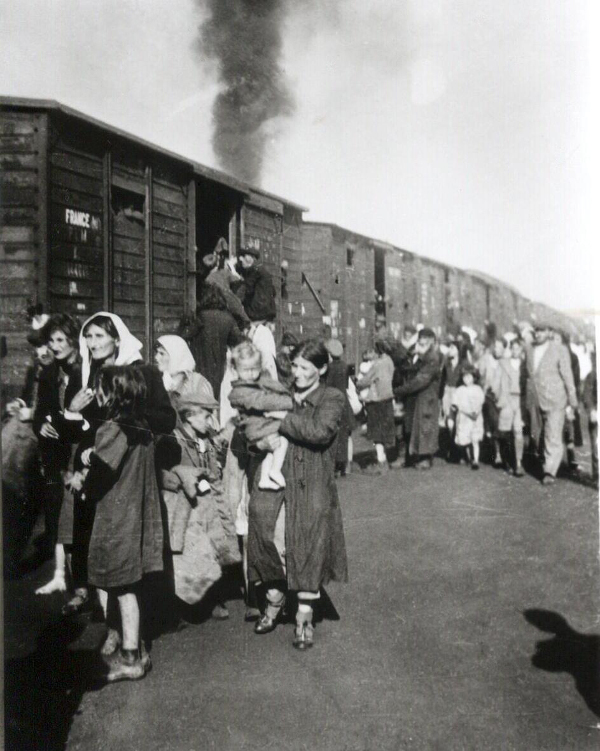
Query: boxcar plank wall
{"points": [[76, 222], [291, 262], [23, 137], [170, 239], [91, 218], [262, 230]]}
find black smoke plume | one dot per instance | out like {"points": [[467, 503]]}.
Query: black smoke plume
{"points": [[244, 37]]}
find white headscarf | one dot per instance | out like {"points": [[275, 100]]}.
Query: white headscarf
{"points": [[181, 359], [127, 352]]}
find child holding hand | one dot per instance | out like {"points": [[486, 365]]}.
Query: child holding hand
{"points": [[467, 402], [254, 394]]}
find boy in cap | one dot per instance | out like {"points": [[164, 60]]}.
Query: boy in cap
{"points": [[201, 528]]}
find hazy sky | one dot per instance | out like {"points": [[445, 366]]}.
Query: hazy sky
{"points": [[458, 129]]}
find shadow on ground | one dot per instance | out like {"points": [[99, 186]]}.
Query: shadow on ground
{"points": [[44, 689], [568, 651]]}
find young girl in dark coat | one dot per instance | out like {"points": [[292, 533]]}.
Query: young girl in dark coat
{"points": [[127, 538]]}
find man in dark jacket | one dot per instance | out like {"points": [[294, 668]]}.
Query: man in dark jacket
{"points": [[421, 400], [257, 291]]}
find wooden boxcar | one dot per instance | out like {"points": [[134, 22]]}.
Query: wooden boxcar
{"points": [[335, 275], [93, 218]]}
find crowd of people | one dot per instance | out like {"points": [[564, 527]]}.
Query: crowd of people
{"points": [[524, 391], [216, 457]]}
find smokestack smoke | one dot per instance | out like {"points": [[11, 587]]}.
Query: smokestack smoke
{"points": [[244, 38]]}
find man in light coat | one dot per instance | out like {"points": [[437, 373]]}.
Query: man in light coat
{"points": [[551, 396]]}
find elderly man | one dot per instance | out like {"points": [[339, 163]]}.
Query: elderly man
{"points": [[551, 396], [421, 395]]}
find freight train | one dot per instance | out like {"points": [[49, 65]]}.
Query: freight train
{"points": [[94, 218]]}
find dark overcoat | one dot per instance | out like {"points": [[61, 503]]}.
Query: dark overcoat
{"points": [[209, 336], [337, 378], [127, 534], [421, 398], [314, 534]]}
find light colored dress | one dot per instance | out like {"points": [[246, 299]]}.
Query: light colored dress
{"points": [[468, 400]]}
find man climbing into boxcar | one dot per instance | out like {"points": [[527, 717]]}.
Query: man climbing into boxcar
{"points": [[257, 291]]}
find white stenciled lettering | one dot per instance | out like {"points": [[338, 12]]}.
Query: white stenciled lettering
{"points": [[77, 218]]}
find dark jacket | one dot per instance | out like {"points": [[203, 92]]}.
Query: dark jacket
{"points": [[208, 337], [51, 402], [421, 398], [258, 294], [315, 546], [159, 414], [337, 378]]}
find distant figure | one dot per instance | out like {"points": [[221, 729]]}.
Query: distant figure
{"points": [[467, 402], [421, 396], [590, 402], [551, 397], [337, 378], [508, 388]]}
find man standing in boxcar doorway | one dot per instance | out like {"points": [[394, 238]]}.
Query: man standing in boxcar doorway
{"points": [[257, 291]]}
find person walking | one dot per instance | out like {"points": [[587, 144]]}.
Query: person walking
{"points": [[508, 387], [379, 406], [314, 535], [551, 397], [421, 396]]}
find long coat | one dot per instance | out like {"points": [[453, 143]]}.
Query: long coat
{"points": [[201, 528], [127, 533], [208, 337], [258, 294], [314, 534], [421, 395], [337, 378]]}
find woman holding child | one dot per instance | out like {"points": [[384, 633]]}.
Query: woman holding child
{"points": [[315, 547]]}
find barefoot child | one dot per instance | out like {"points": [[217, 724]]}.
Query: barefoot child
{"points": [[468, 403], [127, 540], [254, 394]]}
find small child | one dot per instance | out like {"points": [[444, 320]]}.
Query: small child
{"points": [[202, 537], [363, 369], [467, 401], [254, 394], [126, 540]]}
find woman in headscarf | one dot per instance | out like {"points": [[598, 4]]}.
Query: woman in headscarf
{"points": [[105, 340], [175, 361]]}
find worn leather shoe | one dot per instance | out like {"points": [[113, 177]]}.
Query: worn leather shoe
{"points": [[304, 636], [269, 619], [265, 624]]}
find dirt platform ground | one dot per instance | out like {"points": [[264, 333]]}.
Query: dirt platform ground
{"points": [[470, 622]]}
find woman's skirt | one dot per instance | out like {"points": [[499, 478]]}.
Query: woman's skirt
{"points": [[380, 422]]}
